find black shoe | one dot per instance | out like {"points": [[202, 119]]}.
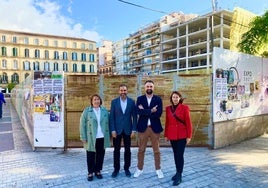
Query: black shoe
{"points": [[174, 177], [114, 174], [127, 172], [90, 177], [177, 180], [98, 175]]}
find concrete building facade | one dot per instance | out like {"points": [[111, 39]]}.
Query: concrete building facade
{"points": [[179, 42]]}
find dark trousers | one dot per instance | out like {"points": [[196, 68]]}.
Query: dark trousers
{"points": [[127, 154], [95, 159], [178, 147], [1, 106]]}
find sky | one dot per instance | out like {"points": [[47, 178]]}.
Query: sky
{"points": [[99, 20]]}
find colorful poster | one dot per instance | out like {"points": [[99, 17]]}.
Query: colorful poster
{"points": [[239, 85], [48, 105]]}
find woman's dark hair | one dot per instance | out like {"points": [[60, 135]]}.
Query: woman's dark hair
{"points": [[177, 93], [95, 95]]}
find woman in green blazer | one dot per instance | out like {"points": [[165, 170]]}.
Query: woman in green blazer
{"points": [[95, 135]]}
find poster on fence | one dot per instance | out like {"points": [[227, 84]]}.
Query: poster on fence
{"points": [[240, 85], [48, 107]]}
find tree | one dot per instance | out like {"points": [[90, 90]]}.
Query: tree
{"points": [[256, 37]]}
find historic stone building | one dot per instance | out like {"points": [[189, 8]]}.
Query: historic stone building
{"points": [[23, 52]]}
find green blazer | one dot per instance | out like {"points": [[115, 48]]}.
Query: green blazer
{"points": [[89, 126]]}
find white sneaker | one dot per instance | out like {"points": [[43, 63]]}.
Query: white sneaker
{"points": [[159, 173], [137, 173]]}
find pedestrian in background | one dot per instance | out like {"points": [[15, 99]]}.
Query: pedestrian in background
{"points": [[95, 135], [149, 109], [178, 130], [2, 101], [123, 124]]}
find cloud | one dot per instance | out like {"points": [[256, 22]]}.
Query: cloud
{"points": [[44, 17]]}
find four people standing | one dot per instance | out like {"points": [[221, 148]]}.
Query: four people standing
{"points": [[123, 123], [178, 130], [149, 109], [95, 135], [124, 120]]}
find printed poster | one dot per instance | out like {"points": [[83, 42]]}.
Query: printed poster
{"points": [[48, 102]]}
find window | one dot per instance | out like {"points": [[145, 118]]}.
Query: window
{"points": [[14, 39], [26, 65], [65, 67], [74, 56], [55, 43], [26, 52], [74, 45], [15, 78], [15, 52], [15, 64], [83, 46], [4, 51], [56, 55], [26, 75], [4, 78], [64, 44], [90, 46], [46, 66], [36, 41], [64, 56], [91, 58], [37, 53], [3, 38], [83, 68], [46, 54], [46, 42], [83, 57], [56, 67], [26, 40], [74, 67], [36, 66], [91, 68], [4, 64]]}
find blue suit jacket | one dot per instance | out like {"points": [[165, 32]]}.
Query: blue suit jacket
{"points": [[120, 121], [145, 114]]}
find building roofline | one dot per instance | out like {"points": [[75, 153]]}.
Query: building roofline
{"points": [[44, 35]]}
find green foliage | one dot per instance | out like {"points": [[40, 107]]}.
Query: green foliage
{"points": [[10, 86], [256, 37]]}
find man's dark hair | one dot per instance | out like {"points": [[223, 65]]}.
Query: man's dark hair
{"points": [[149, 81], [122, 85]]}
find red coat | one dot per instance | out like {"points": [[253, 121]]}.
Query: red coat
{"points": [[175, 130]]}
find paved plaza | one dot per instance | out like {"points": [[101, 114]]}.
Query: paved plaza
{"points": [[243, 165]]}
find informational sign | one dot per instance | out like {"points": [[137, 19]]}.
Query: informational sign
{"points": [[48, 115], [240, 85]]}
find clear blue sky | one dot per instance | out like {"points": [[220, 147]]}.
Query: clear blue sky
{"points": [[103, 19]]}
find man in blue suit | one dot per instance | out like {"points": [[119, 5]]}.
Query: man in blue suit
{"points": [[149, 109], [123, 124]]}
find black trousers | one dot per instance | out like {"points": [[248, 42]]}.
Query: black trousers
{"points": [[117, 146], [95, 159], [178, 147]]}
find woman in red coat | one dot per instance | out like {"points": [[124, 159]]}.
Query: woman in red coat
{"points": [[178, 130]]}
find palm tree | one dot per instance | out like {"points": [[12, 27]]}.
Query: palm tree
{"points": [[256, 37]]}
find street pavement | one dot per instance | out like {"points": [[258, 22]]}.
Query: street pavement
{"points": [[243, 165]]}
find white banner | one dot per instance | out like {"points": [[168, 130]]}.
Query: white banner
{"points": [[240, 85]]}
